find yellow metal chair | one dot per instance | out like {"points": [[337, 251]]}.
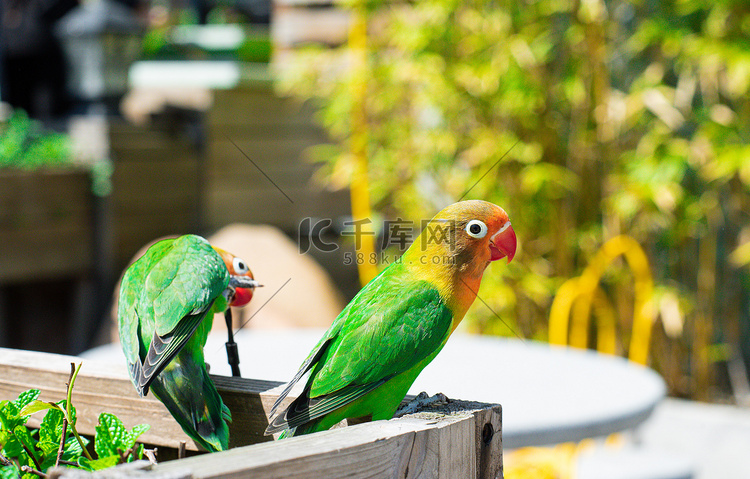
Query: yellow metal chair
{"points": [[576, 299]]}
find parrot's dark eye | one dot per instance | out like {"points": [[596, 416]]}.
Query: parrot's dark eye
{"points": [[239, 266], [476, 229]]}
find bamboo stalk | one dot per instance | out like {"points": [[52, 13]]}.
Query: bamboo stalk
{"points": [[359, 188]]}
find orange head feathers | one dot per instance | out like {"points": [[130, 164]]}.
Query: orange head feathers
{"points": [[241, 278], [466, 233], [457, 245]]}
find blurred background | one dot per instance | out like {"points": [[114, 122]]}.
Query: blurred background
{"points": [[587, 120]]}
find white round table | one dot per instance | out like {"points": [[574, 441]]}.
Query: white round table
{"points": [[548, 394]]}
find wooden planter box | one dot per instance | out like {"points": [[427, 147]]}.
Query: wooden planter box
{"points": [[461, 441], [46, 224]]}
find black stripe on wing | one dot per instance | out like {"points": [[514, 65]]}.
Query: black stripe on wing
{"points": [[164, 348], [306, 366], [304, 410], [136, 374]]}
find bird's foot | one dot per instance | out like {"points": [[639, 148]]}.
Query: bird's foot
{"points": [[421, 401]]}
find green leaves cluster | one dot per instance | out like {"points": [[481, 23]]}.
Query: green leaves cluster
{"points": [[584, 120], [25, 453], [36, 449], [24, 144]]}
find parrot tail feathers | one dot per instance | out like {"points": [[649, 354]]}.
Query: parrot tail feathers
{"points": [[136, 375], [192, 399], [305, 410], [306, 366], [226, 413], [288, 433]]}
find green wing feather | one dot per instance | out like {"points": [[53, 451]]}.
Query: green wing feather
{"points": [[391, 326], [167, 301], [164, 296], [190, 395]]}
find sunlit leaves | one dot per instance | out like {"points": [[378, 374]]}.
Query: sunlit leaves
{"points": [[625, 116], [112, 435], [39, 448]]}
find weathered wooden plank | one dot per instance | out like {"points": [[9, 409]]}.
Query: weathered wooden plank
{"points": [[488, 441], [168, 157], [45, 252], [227, 205], [135, 229], [460, 439], [289, 181], [157, 199], [424, 445], [143, 209], [304, 3], [256, 107], [142, 139], [251, 122], [367, 450], [270, 153], [45, 224], [282, 129], [29, 198], [102, 387], [462, 458]]}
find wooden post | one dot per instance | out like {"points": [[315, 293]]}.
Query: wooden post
{"points": [[460, 439]]}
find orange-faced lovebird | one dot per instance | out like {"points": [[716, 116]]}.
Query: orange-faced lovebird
{"points": [[168, 298], [374, 350]]}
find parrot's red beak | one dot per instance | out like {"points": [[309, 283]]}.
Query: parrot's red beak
{"points": [[503, 243]]}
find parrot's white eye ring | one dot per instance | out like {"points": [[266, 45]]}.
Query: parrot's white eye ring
{"points": [[476, 229], [240, 267]]}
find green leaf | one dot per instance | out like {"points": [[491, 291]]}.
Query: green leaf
{"points": [[135, 433], [48, 447], [10, 411], [9, 472], [99, 464], [72, 450], [26, 397], [110, 434], [12, 447], [24, 436], [49, 453], [4, 414], [50, 429], [9, 417], [36, 406]]}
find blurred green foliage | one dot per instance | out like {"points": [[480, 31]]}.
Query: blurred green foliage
{"points": [[175, 34], [26, 145], [584, 119]]}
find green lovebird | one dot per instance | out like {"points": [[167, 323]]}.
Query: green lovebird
{"points": [[374, 350], [168, 298]]}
